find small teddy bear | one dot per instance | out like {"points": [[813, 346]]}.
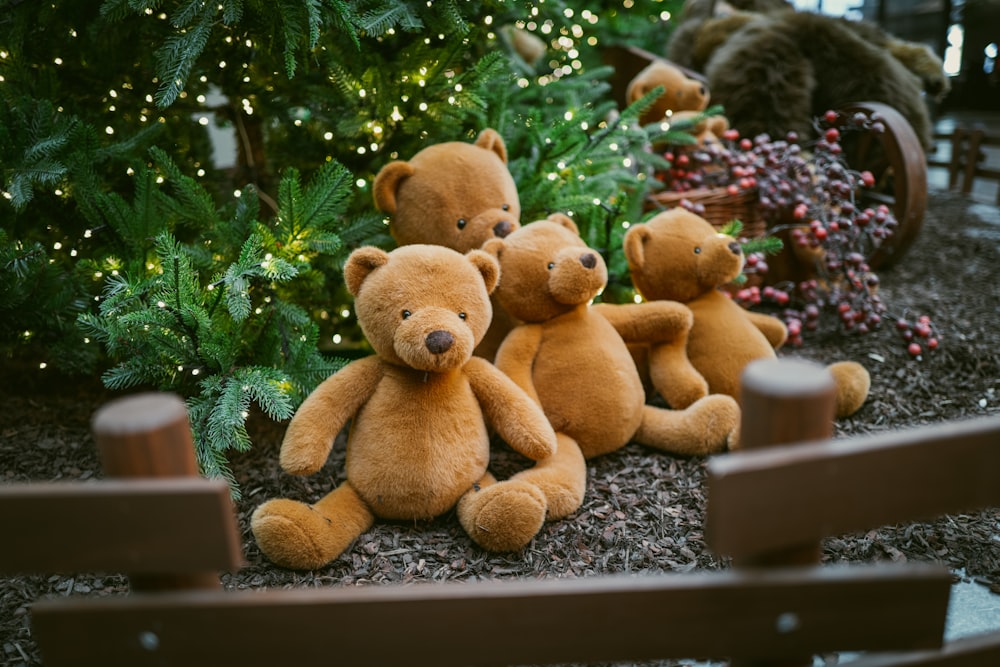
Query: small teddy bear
{"points": [[455, 194], [683, 99], [572, 357], [421, 409], [679, 256]]}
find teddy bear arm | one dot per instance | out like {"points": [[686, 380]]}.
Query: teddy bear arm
{"points": [[649, 322], [774, 330], [310, 435], [516, 417], [515, 357]]}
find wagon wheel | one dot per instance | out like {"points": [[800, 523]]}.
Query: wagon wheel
{"points": [[897, 160]]}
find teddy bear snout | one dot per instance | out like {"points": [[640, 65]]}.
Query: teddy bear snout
{"points": [[503, 229], [589, 260], [439, 342]]}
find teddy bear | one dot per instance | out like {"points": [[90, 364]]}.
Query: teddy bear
{"points": [[679, 256], [422, 409], [775, 69], [455, 194], [684, 98], [572, 358]]}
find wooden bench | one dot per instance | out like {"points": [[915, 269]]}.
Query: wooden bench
{"points": [[769, 507]]}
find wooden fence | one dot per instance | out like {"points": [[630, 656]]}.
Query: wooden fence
{"points": [[968, 159], [769, 507]]}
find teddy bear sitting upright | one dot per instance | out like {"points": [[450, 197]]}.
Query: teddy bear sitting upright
{"points": [[421, 410], [572, 357], [684, 98], [679, 256], [455, 194]]}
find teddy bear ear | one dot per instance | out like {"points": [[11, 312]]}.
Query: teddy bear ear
{"points": [[487, 266], [360, 264], [387, 182], [565, 221], [494, 246], [491, 140], [633, 245]]}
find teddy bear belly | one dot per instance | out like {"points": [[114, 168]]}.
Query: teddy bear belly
{"points": [[601, 407], [416, 465]]}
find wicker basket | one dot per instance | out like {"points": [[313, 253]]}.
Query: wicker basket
{"points": [[721, 207]]}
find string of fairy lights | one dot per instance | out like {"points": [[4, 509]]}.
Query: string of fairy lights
{"points": [[561, 41]]}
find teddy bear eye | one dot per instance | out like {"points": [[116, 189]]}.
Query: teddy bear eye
{"points": [[462, 223], [462, 316], [552, 265], [505, 207], [697, 250], [406, 314]]}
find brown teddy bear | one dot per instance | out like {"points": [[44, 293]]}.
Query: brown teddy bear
{"points": [[421, 410], [679, 256], [455, 194], [775, 69], [683, 99], [572, 358]]}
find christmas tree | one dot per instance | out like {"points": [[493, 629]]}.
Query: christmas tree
{"points": [[182, 180]]}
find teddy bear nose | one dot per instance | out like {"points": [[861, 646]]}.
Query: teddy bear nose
{"points": [[502, 229], [735, 248], [439, 342], [589, 260]]}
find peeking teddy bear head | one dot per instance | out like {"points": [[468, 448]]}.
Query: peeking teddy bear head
{"points": [[680, 92], [455, 194], [422, 306]]}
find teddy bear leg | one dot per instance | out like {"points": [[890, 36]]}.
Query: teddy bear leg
{"points": [[709, 425], [562, 477], [502, 516], [852, 382], [304, 537], [674, 377]]}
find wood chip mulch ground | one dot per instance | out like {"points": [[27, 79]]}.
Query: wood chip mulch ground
{"points": [[643, 511]]}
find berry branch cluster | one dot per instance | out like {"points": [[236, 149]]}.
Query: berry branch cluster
{"points": [[809, 195]]}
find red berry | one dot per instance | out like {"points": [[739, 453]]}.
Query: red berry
{"points": [[868, 179], [914, 349], [832, 135], [830, 116]]}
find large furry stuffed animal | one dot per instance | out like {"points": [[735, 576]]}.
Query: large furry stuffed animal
{"points": [[775, 69]]}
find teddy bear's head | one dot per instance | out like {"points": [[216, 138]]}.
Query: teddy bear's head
{"points": [[681, 92], [678, 256], [547, 269], [422, 306], [455, 194]]}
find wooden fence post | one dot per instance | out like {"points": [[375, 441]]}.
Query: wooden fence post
{"points": [[784, 402], [149, 435]]}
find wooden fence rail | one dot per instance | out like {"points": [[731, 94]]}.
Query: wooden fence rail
{"points": [[768, 507]]}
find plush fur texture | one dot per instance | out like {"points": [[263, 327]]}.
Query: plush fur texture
{"points": [[682, 98], [421, 411], [455, 194], [679, 256], [572, 358], [775, 69]]}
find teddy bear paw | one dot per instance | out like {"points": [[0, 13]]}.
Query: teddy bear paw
{"points": [[719, 417], [504, 516], [294, 535]]}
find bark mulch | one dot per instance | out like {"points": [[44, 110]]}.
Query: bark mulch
{"points": [[643, 510]]}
